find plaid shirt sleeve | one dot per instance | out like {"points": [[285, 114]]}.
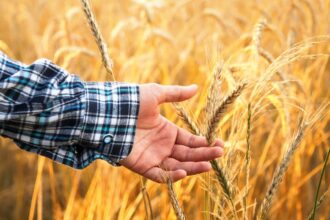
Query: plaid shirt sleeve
{"points": [[48, 111]]}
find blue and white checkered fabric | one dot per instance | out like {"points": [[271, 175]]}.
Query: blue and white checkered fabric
{"points": [[48, 111]]}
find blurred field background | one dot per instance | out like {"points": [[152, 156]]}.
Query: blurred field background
{"points": [[180, 42]]}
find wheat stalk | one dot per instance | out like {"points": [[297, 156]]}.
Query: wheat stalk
{"points": [[146, 199], [282, 168], [173, 197], [312, 12], [317, 202], [106, 60], [247, 161], [269, 57], [174, 200], [317, 206]]}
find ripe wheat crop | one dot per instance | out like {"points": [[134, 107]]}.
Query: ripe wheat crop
{"points": [[263, 71]]}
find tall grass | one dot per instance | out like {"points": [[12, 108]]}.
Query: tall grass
{"points": [[279, 48]]}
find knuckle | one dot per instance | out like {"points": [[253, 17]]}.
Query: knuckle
{"points": [[189, 155], [174, 152], [156, 91], [191, 140], [190, 170], [178, 92], [154, 85]]}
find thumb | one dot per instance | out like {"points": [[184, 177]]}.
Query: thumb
{"points": [[175, 93]]}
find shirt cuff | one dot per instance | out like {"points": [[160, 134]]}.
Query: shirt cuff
{"points": [[110, 119]]}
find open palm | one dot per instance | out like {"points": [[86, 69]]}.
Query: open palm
{"points": [[160, 145]]}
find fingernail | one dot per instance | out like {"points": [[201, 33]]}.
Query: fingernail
{"points": [[219, 151], [220, 142]]}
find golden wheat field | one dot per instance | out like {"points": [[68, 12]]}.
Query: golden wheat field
{"points": [[276, 133]]}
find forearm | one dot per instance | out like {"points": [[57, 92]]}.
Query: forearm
{"points": [[46, 110]]}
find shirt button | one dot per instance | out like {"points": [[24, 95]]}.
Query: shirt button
{"points": [[107, 139]]}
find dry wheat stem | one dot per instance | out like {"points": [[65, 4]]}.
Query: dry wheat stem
{"points": [[312, 12], [107, 62], [247, 161], [146, 199], [216, 114], [224, 183], [174, 200], [173, 197], [282, 168], [269, 57], [319, 184], [318, 204]]}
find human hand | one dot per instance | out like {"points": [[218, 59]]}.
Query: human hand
{"points": [[160, 145]]}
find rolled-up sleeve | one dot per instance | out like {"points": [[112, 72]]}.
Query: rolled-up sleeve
{"points": [[48, 111]]}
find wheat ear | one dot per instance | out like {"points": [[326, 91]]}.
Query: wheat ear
{"points": [[257, 33], [282, 168], [222, 179], [189, 122], [107, 62], [213, 89], [213, 122]]}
